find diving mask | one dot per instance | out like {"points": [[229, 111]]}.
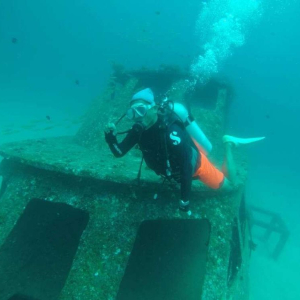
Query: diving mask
{"points": [[138, 111]]}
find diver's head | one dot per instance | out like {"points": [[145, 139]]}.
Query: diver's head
{"points": [[143, 108]]}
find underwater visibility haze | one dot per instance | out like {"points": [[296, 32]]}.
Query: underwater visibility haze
{"points": [[58, 57]]}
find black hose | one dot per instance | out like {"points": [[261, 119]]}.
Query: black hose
{"points": [[120, 119]]}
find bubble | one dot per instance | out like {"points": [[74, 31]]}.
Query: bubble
{"points": [[221, 27]]}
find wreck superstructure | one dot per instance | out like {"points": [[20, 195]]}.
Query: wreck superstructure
{"points": [[81, 172]]}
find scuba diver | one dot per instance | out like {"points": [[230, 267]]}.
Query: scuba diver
{"points": [[173, 145]]}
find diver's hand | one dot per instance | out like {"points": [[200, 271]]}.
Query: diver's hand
{"points": [[184, 205], [110, 128]]}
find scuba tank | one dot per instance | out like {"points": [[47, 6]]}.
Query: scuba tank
{"points": [[192, 128]]}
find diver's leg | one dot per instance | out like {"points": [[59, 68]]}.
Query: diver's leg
{"points": [[229, 167], [241, 141]]}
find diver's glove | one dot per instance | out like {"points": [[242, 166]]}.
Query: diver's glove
{"points": [[110, 133], [184, 205], [110, 128], [110, 138]]}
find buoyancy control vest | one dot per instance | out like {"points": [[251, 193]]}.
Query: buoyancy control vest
{"points": [[170, 113], [173, 111]]}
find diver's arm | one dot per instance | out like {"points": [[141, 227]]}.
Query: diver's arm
{"points": [[120, 149], [185, 176], [180, 145]]}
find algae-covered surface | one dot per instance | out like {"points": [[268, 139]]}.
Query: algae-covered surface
{"points": [[59, 170], [116, 211], [82, 172], [65, 156]]}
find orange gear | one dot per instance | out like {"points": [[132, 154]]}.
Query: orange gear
{"points": [[207, 172]]}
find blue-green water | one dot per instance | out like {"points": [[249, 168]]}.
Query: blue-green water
{"points": [[55, 57]]}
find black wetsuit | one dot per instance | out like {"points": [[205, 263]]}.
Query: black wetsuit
{"points": [[182, 153]]}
